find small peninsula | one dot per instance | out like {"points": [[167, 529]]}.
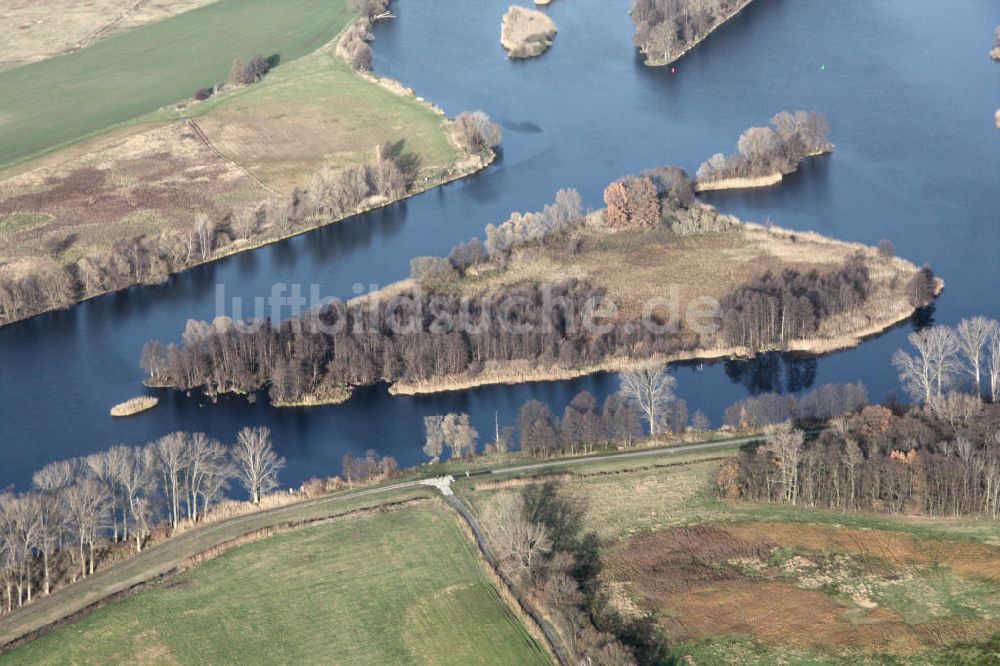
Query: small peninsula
{"points": [[767, 154], [526, 33], [667, 29]]}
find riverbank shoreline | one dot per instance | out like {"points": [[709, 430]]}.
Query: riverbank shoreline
{"points": [[521, 375], [465, 169], [469, 166], [339, 396], [669, 60]]}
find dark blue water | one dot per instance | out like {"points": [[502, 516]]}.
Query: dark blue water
{"points": [[907, 86]]}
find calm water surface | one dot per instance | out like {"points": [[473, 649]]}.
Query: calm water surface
{"points": [[906, 84]]}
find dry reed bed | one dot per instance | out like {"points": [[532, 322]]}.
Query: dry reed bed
{"points": [[135, 405], [739, 183]]}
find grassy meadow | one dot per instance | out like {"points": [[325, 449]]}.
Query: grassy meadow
{"points": [[401, 587], [761, 583], [339, 117], [61, 100]]}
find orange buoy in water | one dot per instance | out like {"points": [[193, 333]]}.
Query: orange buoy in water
{"points": [[673, 70]]}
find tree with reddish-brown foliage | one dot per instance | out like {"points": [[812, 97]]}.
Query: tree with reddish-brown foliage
{"points": [[632, 202]]}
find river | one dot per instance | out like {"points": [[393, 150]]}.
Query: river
{"points": [[906, 84]]}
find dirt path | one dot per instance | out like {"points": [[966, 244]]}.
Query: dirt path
{"points": [[443, 484]]}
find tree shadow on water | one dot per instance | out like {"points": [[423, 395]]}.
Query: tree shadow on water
{"points": [[773, 372]]}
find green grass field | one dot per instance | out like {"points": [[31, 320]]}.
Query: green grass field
{"points": [[390, 588], [58, 101]]}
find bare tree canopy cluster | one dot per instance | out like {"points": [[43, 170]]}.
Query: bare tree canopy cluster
{"points": [[247, 73], [367, 470], [354, 45], [673, 186], [664, 29], [49, 286], [523, 229], [632, 202], [538, 539], [582, 429], [368, 8], [774, 309], [777, 149], [83, 509], [939, 460], [450, 430], [945, 358], [440, 327], [474, 132], [821, 404], [412, 336]]}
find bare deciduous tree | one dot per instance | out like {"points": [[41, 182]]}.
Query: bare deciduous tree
{"points": [[238, 72], [974, 335], [993, 356], [956, 409], [170, 456], [459, 435], [785, 444], [651, 391], [518, 543], [759, 145], [434, 445], [85, 504], [204, 234], [700, 422], [137, 481], [256, 462], [55, 476], [475, 132], [206, 473], [931, 370]]}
